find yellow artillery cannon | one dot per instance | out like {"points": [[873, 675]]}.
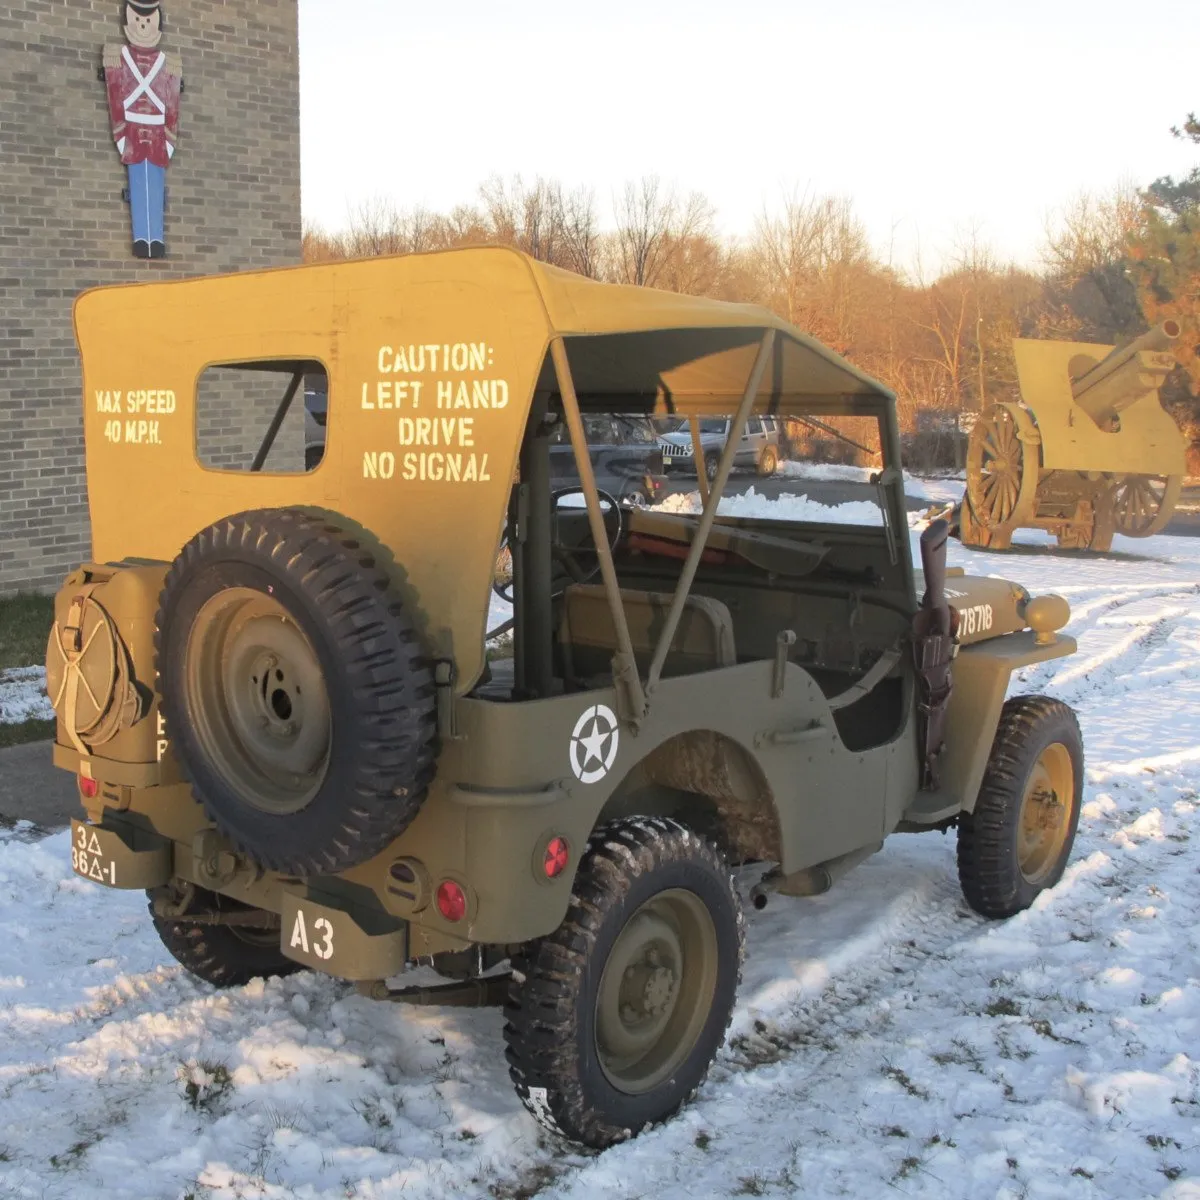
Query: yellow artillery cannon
{"points": [[1087, 452]]}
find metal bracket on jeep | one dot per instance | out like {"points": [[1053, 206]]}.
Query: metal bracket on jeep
{"points": [[119, 858], [333, 941]]}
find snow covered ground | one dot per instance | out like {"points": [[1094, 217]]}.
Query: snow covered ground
{"points": [[945, 489], [23, 695], [886, 1040]]}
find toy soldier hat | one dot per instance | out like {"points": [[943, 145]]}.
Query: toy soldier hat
{"points": [[145, 7]]}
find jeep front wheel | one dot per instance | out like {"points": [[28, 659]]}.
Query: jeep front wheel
{"points": [[1017, 842], [614, 1019]]}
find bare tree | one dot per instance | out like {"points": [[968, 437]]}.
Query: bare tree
{"points": [[1089, 293], [1091, 231], [814, 258], [581, 233], [376, 227]]}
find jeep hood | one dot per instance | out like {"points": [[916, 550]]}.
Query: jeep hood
{"points": [[987, 607]]}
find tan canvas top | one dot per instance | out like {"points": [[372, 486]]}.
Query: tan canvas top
{"points": [[433, 361]]}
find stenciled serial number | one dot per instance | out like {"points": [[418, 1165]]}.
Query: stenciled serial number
{"points": [[87, 858], [976, 619]]}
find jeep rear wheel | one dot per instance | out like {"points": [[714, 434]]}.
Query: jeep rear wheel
{"points": [[293, 690], [614, 1019], [768, 461], [1017, 842], [224, 955]]}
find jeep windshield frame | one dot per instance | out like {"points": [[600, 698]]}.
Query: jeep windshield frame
{"points": [[635, 691]]}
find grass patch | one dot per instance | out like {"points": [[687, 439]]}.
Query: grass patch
{"points": [[1157, 1142], [25, 622], [533, 1183], [205, 1084], [25, 731], [962, 1054], [1004, 1007], [901, 1077], [71, 1156]]}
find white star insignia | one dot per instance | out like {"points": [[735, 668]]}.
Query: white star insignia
{"points": [[594, 743]]}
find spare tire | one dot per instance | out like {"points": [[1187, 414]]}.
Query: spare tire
{"points": [[294, 690]]}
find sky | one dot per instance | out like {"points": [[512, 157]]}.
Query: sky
{"points": [[936, 117]]}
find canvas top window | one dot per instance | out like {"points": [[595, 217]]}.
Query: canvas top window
{"points": [[264, 417]]}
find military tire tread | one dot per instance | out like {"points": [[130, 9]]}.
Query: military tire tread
{"points": [[988, 869], [551, 977], [216, 955]]}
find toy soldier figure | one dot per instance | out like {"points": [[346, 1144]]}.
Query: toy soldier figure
{"points": [[143, 101]]}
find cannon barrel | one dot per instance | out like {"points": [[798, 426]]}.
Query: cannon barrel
{"points": [[1120, 378]]}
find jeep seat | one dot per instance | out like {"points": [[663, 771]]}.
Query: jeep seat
{"points": [[703, 641]]}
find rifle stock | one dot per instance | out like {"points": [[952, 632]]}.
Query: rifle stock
{"points": [[933, 651], [933, 564]]}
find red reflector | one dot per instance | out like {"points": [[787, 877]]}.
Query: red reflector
{"points": [[557, 857], [88, 787], [451, 900]]}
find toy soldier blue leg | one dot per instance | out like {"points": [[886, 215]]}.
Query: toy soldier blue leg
{"points": [[139, 207], [156, 194]]}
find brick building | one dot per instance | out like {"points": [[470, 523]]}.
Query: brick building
{"points": [[233, 203]]}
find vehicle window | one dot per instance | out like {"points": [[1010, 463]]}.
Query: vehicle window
{"points": [[636, 431], [599, 430], [753, 425], [269, 417], [822, 473], [710, 425]]}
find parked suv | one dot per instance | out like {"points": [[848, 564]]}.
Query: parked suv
{"points": [[758, 447], [627, 458]]}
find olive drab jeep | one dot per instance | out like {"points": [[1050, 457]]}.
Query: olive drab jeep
{"points": [[295, 723]]}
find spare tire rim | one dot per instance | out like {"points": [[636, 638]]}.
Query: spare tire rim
{"points": [[1045, 816], [257, 700], [656, 991]]}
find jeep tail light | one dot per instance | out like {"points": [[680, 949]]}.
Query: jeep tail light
{"points": [[451, 900], [557, 856], [88, 788]]}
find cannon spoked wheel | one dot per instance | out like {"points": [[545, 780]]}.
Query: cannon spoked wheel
{"points": [[1002, 470], [1143, 504]]}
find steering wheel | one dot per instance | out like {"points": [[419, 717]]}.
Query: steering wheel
{"points": [[566, 558]]}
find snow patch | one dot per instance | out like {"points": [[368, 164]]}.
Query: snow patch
{"points": [[23, 695]]}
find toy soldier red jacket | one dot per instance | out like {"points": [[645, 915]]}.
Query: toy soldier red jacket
{"points": [[143, 102]]}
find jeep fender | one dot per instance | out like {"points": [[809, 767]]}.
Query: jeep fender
{"points": [[981, 678]]}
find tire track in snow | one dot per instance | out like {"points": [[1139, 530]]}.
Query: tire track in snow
{"points": [[919, 924], [1112, 669]]}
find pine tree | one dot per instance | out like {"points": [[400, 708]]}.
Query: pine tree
{"points": [[1166, 259]]}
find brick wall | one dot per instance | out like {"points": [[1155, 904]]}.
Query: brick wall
{"points": [[233, 203]]}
